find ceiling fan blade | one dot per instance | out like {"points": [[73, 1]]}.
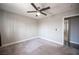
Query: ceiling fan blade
{"points": [[44, 8], [34, 6], [43, 13], [31, 11]]}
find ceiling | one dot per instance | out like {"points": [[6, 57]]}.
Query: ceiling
{"points": [[22, 8]]}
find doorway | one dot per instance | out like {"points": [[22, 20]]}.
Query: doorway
{"points": [[71, 31]]}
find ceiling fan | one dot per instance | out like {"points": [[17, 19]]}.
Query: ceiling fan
{"points": [[38, 10]]}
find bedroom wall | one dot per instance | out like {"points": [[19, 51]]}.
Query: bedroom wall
{"points": [[52, 28], [16, 27]]}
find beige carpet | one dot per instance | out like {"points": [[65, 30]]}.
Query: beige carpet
{"points": [[38, 47]]}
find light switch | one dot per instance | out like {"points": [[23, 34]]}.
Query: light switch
{"points": [[56, 29]]}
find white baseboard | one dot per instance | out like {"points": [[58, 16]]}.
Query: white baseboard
{"points": [[18, 41], [30, 39], [51, 40], [74, 42]]}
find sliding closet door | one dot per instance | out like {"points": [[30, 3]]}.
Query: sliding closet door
{"points": [[71, 31], [74, 30]]}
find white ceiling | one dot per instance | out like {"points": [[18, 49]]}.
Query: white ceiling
{"points": [[22, 8]]}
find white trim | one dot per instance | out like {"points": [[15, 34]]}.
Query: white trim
{"points": [[74, 42], [71, 15], [50, 40], [31, 39], [4, 45]]}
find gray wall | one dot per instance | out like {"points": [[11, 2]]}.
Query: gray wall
{"points": [[15, 27], [49, 25], [74, 30]]}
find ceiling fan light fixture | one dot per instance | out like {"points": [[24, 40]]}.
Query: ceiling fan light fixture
{"points": [[38, 13], [38, 10]]}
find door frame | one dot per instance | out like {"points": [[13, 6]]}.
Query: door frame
{"points": [[67, 19], [67, 36]]}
